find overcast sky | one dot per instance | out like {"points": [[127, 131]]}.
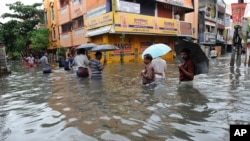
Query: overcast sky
{"points": [[4, 8]]}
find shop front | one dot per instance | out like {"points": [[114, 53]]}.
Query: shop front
{"points": [[132, 33]]}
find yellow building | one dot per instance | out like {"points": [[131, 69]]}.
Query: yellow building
{"points": [[51, 20], [132, 25], [135, 26]]}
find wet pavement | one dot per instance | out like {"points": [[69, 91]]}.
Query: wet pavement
{"points": [[60, 106]]}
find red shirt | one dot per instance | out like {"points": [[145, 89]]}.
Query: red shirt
{"points": [[189, 67]]}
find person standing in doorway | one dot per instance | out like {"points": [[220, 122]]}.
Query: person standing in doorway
{"points": [[187, 69], [160, 67], [45, 64]]}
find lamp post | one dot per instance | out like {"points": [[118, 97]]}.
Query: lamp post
{"points": [[122, 47]]}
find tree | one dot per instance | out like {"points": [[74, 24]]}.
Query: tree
{"points": [[15, 33], [39, 39]]}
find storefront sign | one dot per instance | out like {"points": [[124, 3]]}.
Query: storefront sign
{"points": [[126, 48], [125, 6], [144, 45], [207, 38], [125, 22], [100, 21], [238, 10]]}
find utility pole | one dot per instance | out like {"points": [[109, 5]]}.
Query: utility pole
{"points": [[122, 48]]}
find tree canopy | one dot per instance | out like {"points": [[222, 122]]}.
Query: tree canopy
{"points": [[16, 33]]}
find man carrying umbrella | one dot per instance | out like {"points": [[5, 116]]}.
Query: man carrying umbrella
{"points": [[187, 69]]}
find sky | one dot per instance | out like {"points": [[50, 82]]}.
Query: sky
{"points": [[5, 9]]}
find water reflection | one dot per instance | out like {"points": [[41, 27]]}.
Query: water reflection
{"points": [[61, 106]]}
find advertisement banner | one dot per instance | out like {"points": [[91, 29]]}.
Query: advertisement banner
{"points": [[100, 21], [125, 22], [238, 10]]}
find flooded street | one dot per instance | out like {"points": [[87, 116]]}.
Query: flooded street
{"points": [[59, 106]]}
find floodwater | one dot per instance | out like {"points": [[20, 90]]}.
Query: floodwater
{"points": [[60, 106]]}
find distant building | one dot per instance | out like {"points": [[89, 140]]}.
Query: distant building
{"points": [[212, 24]]}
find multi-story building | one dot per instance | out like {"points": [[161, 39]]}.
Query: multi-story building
{"points": [[51, 21], [212, 24], [132, 25]]}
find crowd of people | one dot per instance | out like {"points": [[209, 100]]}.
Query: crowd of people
{"points": [[155, 68]]}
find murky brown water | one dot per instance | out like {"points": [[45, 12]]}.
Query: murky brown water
{"points": [[60, 106]]}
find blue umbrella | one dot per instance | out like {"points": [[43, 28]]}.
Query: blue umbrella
{"points": [[157, 50]]}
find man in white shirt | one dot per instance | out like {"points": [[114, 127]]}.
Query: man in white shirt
{"points": [[82, 63], [30, 60], [160, 67]]}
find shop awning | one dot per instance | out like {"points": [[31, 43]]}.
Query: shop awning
{"points": [[98, 31]]}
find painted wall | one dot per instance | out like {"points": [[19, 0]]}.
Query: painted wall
{"points": [[91, 4], [193, 18], [77, 9], [134, 45], [163, 12], [64, 14], [54, 43]]}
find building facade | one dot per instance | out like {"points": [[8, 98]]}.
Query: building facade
{"points": [[51, 21], [132, 25], [211, 24]]}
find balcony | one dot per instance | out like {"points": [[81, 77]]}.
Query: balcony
{"points": [[207, 38], [220, 23], [64, 15], [77, 9], [131, 23], [220, 38], [66, 39], [78, 36], [184, 28]]}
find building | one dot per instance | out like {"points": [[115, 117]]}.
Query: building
{"points": [[51, 22], [212, 24], [132, 25]]}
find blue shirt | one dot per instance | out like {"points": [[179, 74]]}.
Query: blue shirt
{"points": [[43, 61], [96, 72]]}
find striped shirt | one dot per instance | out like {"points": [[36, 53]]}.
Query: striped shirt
{"points": [[96, 72]]}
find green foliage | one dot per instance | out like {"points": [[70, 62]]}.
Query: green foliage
{"points": [[61, 51], [15, 33], [39, 39], [15, 55]]}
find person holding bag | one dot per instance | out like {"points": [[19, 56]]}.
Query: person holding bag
{"points": [[81, 61]]}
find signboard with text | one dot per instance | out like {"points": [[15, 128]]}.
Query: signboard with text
{"points": [[238, 10], [126, 22], [100, 21]]}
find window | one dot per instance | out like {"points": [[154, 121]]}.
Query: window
{"points": [[63, 3], [52, 12], [78, 22], [53, 34], [45, 17], [66, 27]]}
